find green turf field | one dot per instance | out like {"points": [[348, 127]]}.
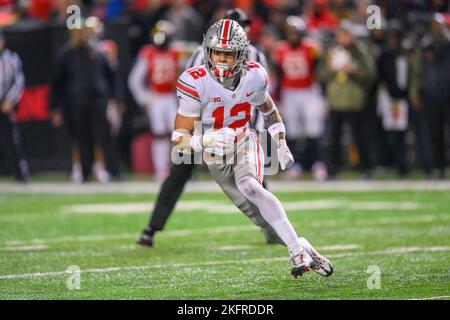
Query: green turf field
{"points": [[210, 251]]}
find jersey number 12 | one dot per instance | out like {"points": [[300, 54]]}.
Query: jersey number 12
{"points": [[218, 115]]}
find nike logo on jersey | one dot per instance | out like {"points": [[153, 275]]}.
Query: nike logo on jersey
{"points": [[248, 94]]}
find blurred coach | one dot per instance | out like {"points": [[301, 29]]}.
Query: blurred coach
{"points": [[82, 84]]}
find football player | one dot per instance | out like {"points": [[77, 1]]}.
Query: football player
{"points": [[302, 104], [152, 84], [215, 104], [173, 186]]}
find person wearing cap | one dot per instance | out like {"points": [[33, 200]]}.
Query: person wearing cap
{"points": [[12, 83], [346, 72]]}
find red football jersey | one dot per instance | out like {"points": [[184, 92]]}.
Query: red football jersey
{"points": [[162, 68], [297, 64]]}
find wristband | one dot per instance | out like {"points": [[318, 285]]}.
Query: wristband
{"points": [[276, 128], [176, 135]]}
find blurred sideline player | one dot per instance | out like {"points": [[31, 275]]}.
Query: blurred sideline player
{"points": [[214, 110], [152, 84], [173, 186], [302, 104]]}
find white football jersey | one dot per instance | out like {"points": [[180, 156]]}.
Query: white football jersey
{"points": [[200, 95]]}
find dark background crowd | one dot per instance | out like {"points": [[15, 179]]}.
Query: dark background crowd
{"points": [[359, 133]]}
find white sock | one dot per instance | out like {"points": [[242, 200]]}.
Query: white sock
{"points": [[306, 245], [161, 155], [271, 210], [76, 166]]}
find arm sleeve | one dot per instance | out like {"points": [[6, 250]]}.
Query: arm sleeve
{"points": [[366, 71], [58, 82], [262, 87], [15, 92], [112, 77], [137, 83]]}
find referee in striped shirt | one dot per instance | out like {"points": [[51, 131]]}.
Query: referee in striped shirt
{"points": [[11, 88]]}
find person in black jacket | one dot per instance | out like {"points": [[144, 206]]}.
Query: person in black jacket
{"points": [[82, 84], [394, 72], [11, 87], [430, 95]]}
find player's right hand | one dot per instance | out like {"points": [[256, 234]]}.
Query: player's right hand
{"points": [[284, 155], [222, 139]]}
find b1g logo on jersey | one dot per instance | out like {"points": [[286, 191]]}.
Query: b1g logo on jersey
{"points": [[215, 99]]}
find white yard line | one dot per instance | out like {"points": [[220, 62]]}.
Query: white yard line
{"points": [[235, 248], [416, 219], [145, 207], [101, 237], [431, 298], [337, 247], [36, 247], [351, 205], [220, 207], [211, 263], [412, 219], [210, 186]]}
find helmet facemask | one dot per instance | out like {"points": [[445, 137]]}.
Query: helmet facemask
{"points": [[225, 36], [223, 70]]}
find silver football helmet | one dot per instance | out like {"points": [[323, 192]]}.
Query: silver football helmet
{"points": [[228, 36]]}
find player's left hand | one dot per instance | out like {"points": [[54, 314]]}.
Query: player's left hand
{"points": [[284, 155]]}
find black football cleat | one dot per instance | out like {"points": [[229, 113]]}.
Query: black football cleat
{"points": [[145, 239]]}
